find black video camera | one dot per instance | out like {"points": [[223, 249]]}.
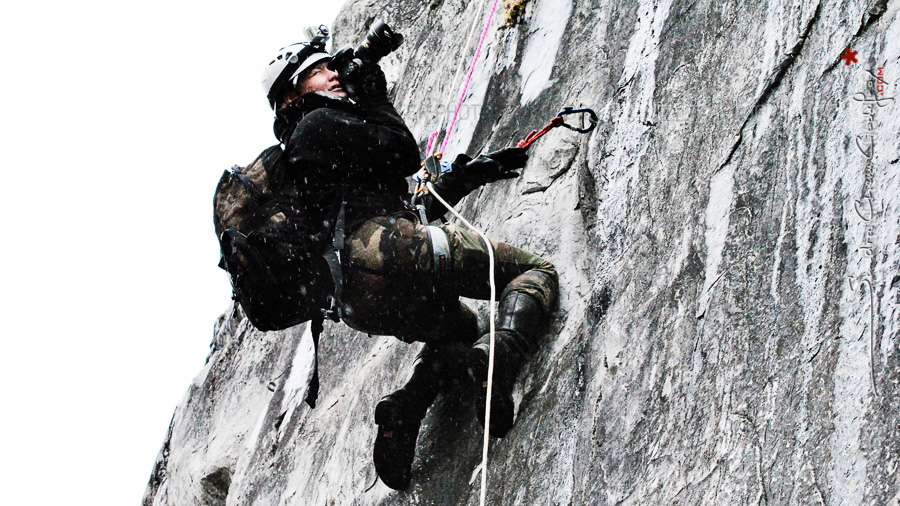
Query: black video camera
{"points": [[380, 41]]}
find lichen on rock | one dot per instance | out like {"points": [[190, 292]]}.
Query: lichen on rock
{"points": [[514, 12]]}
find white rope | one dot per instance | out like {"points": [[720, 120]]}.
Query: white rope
{"points": [[490, 382]]}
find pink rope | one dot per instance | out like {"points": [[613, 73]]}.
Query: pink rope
{"points": [[430, 144], [462, 96]]}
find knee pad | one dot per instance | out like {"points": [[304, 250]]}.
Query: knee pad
{"points": [[540, 285]]}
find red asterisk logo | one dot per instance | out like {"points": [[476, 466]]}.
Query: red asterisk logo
{"points": [[849, 56]]}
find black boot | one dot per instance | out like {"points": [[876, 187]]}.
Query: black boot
{"points": [[399, 416], [520, 316], [395, 445], [440, 365]]}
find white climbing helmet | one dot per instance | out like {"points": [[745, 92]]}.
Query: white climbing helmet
{"points": [[282, 72]]}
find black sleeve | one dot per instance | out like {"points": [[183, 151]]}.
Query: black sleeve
{"points": [[452, 187], [370, 145], [451, 194]]}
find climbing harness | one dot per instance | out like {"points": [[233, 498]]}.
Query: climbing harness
{"points": [[559, 120], [440, 245]]}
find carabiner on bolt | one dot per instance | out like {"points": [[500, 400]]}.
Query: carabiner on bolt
{"points": [[586, 113]]}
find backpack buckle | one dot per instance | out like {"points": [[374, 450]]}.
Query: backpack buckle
{"points": [[334, 313]]}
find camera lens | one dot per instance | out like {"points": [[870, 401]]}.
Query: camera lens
{"points": [[380, 41]]}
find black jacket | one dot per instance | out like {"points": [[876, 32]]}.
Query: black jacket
{"points": [[336, 149]]}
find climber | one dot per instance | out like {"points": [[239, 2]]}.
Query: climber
{"points": [[346, 156]]}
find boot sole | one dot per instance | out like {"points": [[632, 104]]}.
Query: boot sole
{"points": [[502, 406], [394, 447]]}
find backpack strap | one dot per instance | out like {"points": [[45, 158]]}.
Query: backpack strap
{"points": [[333, 257], [312, 394], [249, 185]]}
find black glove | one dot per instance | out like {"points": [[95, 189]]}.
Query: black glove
{"points": [[363, 79], [467, 174], [492, 166]]}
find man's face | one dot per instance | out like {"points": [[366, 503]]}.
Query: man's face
{"points": [[320, 78], [316, 78]]}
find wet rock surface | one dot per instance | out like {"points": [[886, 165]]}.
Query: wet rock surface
{"points": [[728, 242]]}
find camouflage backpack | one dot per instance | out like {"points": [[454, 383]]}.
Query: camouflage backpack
{"points": [[270, 251]]}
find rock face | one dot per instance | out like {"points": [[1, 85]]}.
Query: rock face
{"points": [[728, 241]]}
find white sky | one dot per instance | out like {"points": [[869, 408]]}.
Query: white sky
{"points": [[117, 120]]}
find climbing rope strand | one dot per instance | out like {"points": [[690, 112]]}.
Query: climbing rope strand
{"points": [[490, 382], [431, 140], [457, 76], [462, 96]]}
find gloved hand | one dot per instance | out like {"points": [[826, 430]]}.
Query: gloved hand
{"points": [[492, 166], [363, 79], [467, 174]]}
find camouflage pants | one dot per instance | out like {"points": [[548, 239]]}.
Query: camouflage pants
{"points": [[390, 287]]}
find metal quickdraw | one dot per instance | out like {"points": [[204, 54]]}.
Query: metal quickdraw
{"points": [[586, 114]]}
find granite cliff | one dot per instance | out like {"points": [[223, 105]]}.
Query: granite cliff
{"points": [[728, 241]]}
